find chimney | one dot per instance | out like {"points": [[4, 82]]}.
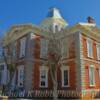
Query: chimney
{"points": [[90, 20]]}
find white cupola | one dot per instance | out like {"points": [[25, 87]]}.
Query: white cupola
{"points": [[53, 21]]}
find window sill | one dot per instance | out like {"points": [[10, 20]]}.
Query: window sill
{"points": [[21, 57], [65, 86], [90, 57], [43, 87], [98, 59], [92, 85]]}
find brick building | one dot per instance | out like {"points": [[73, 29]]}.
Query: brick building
{"points": [[80, 54]]}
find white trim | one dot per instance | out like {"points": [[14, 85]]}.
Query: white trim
{"points": [[92, 66], [42, 68], [89, 48], [92, 60], [99, 73], [22, 52], [21, 72], [87, 24], [43, 48], [63, 68], [98, 51]]}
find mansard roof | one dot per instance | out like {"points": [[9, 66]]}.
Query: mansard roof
{"points": [[54, 13]]}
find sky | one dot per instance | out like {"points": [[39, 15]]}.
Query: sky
{"points": [[34, 11]]}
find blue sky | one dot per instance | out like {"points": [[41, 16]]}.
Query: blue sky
{"points": [[34, 11]]}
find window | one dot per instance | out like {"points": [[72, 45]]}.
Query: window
{"points": [[1, 52], [21, 75], [98, 52], [2, 67], [0, 77], [14, 50], [65, 76], [44, 48], [65, 48], [99, 72], [91, 75], [22, 47], [89, 48], [1, 73], [56, 28], [5, 51], [43, 78]]}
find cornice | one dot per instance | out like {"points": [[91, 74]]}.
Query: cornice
{"points": [[18, 31], [83, 30]]}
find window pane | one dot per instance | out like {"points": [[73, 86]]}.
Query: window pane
{"points": [[98, 52], [20, 75], [65, 77], [42, 83], [99, 72], [44, 48], [91, 75], [1, 52], [0, 77], [89, 48], [22, 46], [43, 78], [1, 67]]}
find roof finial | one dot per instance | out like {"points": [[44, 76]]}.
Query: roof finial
{"points": [[90, 20]]}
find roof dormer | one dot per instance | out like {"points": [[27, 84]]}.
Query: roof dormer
{"points": [[53, 21]]}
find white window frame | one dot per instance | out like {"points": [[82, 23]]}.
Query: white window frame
{"points": [[43, 48], [93, 77], [46, 81], [22, 47], [21, 67], [63, 68], [89, 48], [14, 50], [98, 51], [99, 72]]}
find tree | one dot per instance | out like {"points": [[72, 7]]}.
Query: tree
{"points": [[9, 59], [54, 59]]}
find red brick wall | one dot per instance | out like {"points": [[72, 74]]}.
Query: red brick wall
{"points": [[71, 42], [36, 55], [97, 78], [84, 44], [36, 76], [37, 64], [90, 61], [72, 77]]}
